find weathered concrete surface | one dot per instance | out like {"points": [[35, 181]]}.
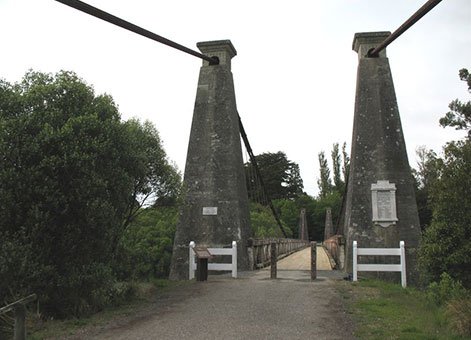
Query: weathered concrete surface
{"points": [[214, 175], [378, 153], [251, 307], [329, 225], [302, 227]]}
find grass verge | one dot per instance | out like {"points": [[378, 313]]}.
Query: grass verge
{"points": [[383, 310]]}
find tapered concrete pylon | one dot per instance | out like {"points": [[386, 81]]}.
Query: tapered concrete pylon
{"points": [[380, 208], [303, 228], [329, 225], [215, 210]]}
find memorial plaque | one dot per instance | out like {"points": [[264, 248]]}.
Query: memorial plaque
{"points": [[210, 211], [383, 200], [384, 205]]}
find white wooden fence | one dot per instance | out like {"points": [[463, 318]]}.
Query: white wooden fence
{"points": [[380, 267], [216, 266]]}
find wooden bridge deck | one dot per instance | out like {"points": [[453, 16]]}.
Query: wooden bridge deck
{"points": [[301, 260]]}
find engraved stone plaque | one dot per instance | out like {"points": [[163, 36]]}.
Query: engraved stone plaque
{"points": [[210, 211], [383, 199]]}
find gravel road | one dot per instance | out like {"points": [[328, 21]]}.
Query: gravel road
{"points": [[251, 307]]}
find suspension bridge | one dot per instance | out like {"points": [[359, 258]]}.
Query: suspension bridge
{"points": [[378, 206]]}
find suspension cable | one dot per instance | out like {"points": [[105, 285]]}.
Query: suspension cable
{"points": [[253, 160], [98, 13], [429, 5]]}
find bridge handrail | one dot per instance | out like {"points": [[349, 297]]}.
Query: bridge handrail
{"points": [[260, 249]]}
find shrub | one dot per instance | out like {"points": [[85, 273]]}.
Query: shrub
{"points": [[263, 222], [445, 290], [146, 246]]}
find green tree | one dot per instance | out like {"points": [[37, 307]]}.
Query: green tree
{"points": [[340, 170], [324, 182], [70, 173], [459, 115], [280, 176], [345, 162], [263, 222], [340, 167], [145, 249], [335, 153], [445, 245], [425, 176], [330, 195], [156, 181]]}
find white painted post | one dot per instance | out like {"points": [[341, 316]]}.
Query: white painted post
{"points": [[403, 264], [234, 259], [355, 278], [191, 260]]}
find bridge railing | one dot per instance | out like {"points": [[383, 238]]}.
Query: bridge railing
{"points": [[259, 250]]}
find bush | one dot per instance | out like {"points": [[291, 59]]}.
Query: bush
{"points": [[145, 249], [445, 290], [264, 224], [456, 301]]}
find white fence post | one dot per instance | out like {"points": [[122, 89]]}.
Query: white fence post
{"points": [[403, 264], [234, 259], [380, 267], [355, 275], [214, 266], [191, 260]]}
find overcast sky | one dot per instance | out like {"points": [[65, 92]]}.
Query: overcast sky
{"points": [[294, 74]]}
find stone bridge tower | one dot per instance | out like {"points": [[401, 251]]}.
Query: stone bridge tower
{"points": [[215, 210], [302, 226], [380, 208]]}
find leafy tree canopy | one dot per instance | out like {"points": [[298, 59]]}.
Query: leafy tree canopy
{"points": [[340, 170], [72, 176], [445, 245], [459, 115], [280, 176]]}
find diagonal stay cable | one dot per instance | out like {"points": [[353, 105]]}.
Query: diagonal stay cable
{"points": [[253, 160], [98, 13], [427, 7]]}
